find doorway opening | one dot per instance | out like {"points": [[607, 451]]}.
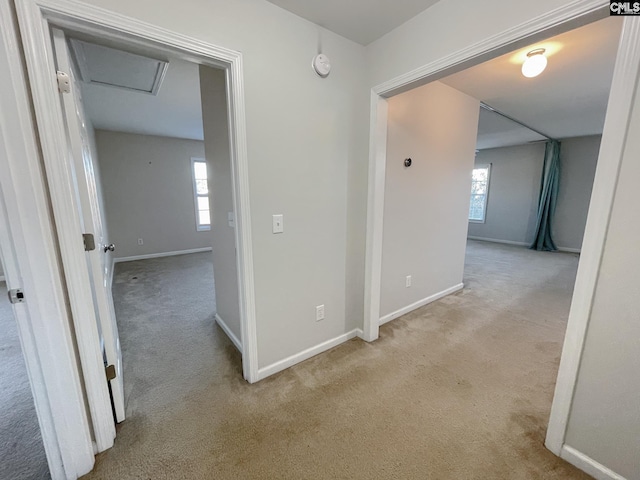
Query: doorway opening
{"points": [[162, 162], [85, 248], [440, 140], [519, 120], [153, 165]]}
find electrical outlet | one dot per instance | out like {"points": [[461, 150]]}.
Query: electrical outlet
{"points": [[140, 242], [407, 282], [319, 313]]}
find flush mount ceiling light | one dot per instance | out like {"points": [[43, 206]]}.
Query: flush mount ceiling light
{"points": [[535, 63]]}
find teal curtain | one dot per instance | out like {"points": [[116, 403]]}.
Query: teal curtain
{"points": [[548, 197]]}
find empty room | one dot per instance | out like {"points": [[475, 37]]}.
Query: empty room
{"points": [[482, 286], [272, 239], [156, 142]]}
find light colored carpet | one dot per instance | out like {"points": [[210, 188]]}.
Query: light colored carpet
{"points": [[459, 389], [22, 454]]}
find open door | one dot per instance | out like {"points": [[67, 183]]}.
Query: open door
{"points": [[98, 253]]}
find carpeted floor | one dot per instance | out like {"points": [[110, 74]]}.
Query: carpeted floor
{"points": [[459, 389], [22, 454]]}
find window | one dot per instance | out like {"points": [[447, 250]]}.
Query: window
{"points": [[479, 191], [201, 194]]}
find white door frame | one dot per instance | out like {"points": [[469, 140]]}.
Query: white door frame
{"points": [[572, 15], [29, 250], [36, 17]]}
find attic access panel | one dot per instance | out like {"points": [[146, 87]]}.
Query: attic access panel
{"points": [[101, 65]]}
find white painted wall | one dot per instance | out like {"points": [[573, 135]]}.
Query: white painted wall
{"points": [[303, 134], [148, 192], [1, 268], [217, 152], [605, 417], [514, 189], [426, 205], [579, 157]]}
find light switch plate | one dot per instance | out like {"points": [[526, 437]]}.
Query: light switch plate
{"points": [[278, 223]]}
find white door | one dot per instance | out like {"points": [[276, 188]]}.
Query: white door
{"points": [[99, 260]]}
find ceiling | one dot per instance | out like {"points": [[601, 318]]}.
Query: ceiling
{"points": [[175, 111], [362, 21], [496, 131], [568, 99]]}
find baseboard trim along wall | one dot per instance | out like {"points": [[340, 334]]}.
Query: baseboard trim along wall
{"points": [[306, 354], [568, 250], [520, 244], [162, 254], [229, 333], [2, 279], [588, 464], [421, 303], [497, 240]]}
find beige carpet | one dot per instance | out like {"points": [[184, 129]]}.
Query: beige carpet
{"points": [[459, 389], [22, 455]]}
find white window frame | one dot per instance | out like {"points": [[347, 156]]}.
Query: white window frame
{"points": [[199, 227], [486, 195]]}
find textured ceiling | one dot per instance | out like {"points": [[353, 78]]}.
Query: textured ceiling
{"points": [[362, 21]]}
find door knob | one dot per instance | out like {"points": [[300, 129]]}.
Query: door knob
{"points": [[109, 248]]}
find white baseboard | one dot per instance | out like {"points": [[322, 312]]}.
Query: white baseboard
{"points": [[498, 240], [306, 354], [2, 279], [588, 464], [568, 249], [229, 333], [421, 303], [520, 244], [162, 254]]}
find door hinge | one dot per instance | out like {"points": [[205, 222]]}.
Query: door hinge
{"points": [[16, 295], [64, 82], [110, 370], [89, 242]]}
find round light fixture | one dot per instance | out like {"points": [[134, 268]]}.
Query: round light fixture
{"points": [[535, 63]]}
